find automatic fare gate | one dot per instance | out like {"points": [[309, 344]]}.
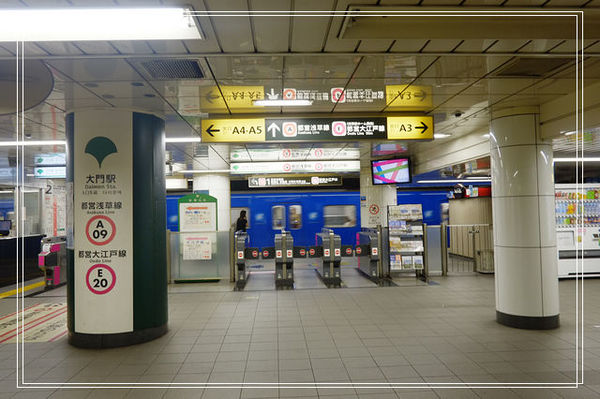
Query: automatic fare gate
{"points": [[367, 253], [329, 246], [284, 260]]}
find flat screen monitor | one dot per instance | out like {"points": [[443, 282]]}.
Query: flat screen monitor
{"points": [[5, 226], [391, 171]]}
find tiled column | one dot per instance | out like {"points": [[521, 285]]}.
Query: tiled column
{"points": [[524, 231], [216, 183]]}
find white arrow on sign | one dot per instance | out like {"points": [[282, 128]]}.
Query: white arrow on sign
{"points": [[273, 128], [272, 95]]}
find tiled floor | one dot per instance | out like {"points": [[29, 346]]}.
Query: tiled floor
{"points": [[437, 334]]}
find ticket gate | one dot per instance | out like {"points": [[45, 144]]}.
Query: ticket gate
{"points": [[284, 260], [52, 260], [241, 273], [328, 264], [367, 253]]}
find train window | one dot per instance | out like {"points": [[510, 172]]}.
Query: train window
{"points": [[295, 217], [339, 215], [235, 214], [278, 217]]}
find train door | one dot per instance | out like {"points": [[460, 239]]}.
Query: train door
{"points": [[286, 217]]}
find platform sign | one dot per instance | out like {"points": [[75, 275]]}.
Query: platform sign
{"points": [[329, 129], [408, 96], [233, 130], [103, 223], [410, 128], [294, 181]]}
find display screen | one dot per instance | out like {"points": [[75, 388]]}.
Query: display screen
{"points": [[391, 171]]}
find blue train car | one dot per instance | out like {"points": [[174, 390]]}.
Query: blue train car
{"points": [[301, 213], [305, 213]]}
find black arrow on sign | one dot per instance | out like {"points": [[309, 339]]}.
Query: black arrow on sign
{"points": [[210, 130], [210, 96], [423, 126], [420, 94]]}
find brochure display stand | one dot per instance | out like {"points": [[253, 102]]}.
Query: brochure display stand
{"points": [[407, 240], [578, 229]]}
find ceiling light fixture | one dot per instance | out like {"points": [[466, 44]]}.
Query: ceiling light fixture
{"points": [[33, 142], [182, 140], [201, 171], [82, 24], [591, 159], [481, 180], [282, 103], [441, 135]]}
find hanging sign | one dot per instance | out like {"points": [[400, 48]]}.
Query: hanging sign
{"points": [[293, 181]]}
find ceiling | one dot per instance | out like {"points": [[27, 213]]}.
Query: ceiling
{"points": [[268, 53]]}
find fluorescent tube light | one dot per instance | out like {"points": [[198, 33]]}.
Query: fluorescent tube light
{"points": [[80, 24], [592, 159], [282, 103], [201, 171], [456, 181], [441, 135], [32, 142], [182, 139]]}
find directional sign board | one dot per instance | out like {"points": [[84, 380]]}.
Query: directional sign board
{"points": [[233, 130], [410, 128], [237, 97], [317, 129], [408, 96]]}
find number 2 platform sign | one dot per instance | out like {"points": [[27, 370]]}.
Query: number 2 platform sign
{"points": [[103, 223]]}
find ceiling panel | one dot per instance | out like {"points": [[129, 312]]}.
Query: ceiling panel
{"points": [[167, 46], [507, 45], [334, 44], [233, 32], [408, 45], [209, 43], [234, 67], [567, 3], [454, 67], [483, 2], [30, 49], [374, 46], [331, 66], [96, 70], [540, 46], [474, 45], [132, 47], [569, 46], [308, 33], [271, 32], [441, 45], [96, 47]]}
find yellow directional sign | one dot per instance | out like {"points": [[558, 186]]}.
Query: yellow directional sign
{"points": [[408, 96], [237, 97], [410, 128], [233, 130]]}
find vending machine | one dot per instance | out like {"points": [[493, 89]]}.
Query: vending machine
{"points": [[578, 229]]}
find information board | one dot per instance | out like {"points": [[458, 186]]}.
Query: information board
{"points": [[103, 222]]}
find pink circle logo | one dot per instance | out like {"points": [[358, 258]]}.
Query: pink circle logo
{"points": [[100, 230], [100, 279]]}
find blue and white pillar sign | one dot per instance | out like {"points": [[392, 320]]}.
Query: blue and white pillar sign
{"points": [[103, 222]]}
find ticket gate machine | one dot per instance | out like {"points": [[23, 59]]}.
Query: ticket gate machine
{"points": [[367, 253], [241, 273], [329, 263], [284, 260], [52, 260]]}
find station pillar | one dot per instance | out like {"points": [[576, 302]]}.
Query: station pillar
{"points": [[116, 228], [526, 275], [374, 199], [215, 181]]}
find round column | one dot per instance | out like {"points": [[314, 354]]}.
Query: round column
{"points": [[116, 240], [216, 181], [524, 227]]}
